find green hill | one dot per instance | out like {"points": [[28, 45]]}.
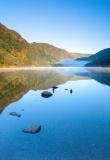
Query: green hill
{"points": [[17, 52]]}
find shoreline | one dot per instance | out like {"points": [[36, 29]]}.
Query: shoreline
{"points": [[6, 69], [35, 68]]}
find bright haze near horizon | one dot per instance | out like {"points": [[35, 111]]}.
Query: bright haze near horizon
{"points": [[75, 25]]}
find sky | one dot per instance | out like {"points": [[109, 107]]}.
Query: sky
{"points": [[75, 25]]}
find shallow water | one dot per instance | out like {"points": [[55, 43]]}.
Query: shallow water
{"points": [[75, 125]]}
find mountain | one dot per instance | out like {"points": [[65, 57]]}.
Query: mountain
{"points": [[101, 54], [17, 52], [100, 59]]}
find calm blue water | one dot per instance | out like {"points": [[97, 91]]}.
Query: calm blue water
{"points": [[75, 126]]}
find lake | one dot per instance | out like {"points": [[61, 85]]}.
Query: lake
{"points": [[75, 120]]}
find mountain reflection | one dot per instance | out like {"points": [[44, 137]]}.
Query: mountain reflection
{"points": [[15, 84], [101, 75]]}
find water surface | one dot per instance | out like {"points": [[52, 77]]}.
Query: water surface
{"points": [[75, 120]]}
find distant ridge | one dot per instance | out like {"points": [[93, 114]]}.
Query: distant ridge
{"points": [[100, 59], [17, 52]]}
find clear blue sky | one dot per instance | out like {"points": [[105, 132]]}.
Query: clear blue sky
{"points": [[75, 25]]}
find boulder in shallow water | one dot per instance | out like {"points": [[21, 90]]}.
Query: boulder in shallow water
{"points": [[32, 129], [46, 94], [15, 114]]}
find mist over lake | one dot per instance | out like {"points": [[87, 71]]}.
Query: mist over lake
{"points": [[75, 120], [71, 63]]}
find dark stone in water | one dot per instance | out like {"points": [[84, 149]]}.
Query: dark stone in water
{"points": [[54, 87], [66, 89], [46, 94], [71, 91], [32, 130], [15, 114]]}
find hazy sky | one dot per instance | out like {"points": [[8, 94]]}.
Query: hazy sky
{"points": [[75, 25]]}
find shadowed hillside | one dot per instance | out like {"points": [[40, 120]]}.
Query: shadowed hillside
{"points": [[100, 59]]}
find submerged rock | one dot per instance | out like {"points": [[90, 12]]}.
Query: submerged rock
{"points": [[54, 87], [71, 91], [66, 89], [15, 114], [46, 94], [32, 129]]}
